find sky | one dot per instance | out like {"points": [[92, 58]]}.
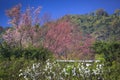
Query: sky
{"points": [[59, 8]]}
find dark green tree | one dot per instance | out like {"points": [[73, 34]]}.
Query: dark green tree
{"points": [[117, 12], [101, 12]]}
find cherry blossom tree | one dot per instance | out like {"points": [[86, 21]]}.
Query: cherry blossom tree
{"points": [[45, 18], [24, 30], [58, 37], [63, 38], [14, 14]]}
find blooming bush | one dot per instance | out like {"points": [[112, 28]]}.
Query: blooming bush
{"points": [[57, 71]]}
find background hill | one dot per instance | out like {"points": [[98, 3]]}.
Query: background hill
{"points": [[101, 26]]}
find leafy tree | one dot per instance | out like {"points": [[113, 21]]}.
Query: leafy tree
{"points": [[110, 50], [39, 54], [117, 12], [1, 29], [5, 51], [101, 12]]}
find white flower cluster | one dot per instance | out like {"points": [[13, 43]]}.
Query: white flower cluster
{"points": [[57, 71]]}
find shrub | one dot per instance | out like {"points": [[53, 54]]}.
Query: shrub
{"points": [[5, 51], [39, 53], [36, 53], [110, 50]]}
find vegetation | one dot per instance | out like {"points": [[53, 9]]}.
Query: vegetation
{"points": [[28, 50], [101, 27], [110, 50]]}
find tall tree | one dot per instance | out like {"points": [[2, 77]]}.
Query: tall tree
{"points": [[1, 29], [14, 14], [46, 18], [117, 12], [24, 30], [101, 12], [63, 38]]}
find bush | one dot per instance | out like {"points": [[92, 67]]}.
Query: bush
{"points": [[13, 59], [5, 51], [110, 50], [36, 53], [9, 70]]}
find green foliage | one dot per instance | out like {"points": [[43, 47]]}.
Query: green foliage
{"points": [[99, 57], [36, 53], [13, 59], [71, 71], [5, 51], [110, 50], [9, 70], [111, 72], [101, 12], [100, 27], [20, 69], [117, 12]]}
